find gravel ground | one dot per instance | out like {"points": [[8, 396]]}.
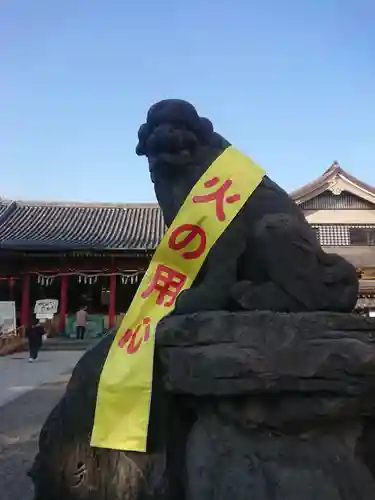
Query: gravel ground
{"points": [[20, 423]]}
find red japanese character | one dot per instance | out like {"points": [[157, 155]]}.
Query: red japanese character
{"points": [[168, 283], [130, 337], [192, 231], [146, 323], [218, 196]]}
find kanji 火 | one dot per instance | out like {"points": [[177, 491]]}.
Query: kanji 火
{"points": [[219, 196]]}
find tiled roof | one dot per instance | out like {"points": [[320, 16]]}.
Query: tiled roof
{"points": [[79, 226], [323, 182], [3, 207]]}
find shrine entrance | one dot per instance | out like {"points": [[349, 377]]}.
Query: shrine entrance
{"points": [[106, 295]]}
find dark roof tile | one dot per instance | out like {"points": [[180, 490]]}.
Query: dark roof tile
{"points": [[78, 226], [3, 207]]}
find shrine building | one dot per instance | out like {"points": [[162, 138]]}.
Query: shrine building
{"points": [[81, 254], [341, 209], [96, 254]]}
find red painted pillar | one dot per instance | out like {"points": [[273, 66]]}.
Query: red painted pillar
{"points": [[11, 289], [112, 301], [25, 304], [63, 303]]}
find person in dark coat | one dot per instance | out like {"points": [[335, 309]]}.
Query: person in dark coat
{"points": [[35, 339]]}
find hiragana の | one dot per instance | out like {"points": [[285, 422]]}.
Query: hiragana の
{"points": [[192, 232]]}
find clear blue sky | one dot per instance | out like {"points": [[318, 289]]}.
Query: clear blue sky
{"points": [[290, 82]]}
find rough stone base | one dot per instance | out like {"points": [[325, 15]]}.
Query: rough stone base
{"points": [[260, 405], [225, 462]]}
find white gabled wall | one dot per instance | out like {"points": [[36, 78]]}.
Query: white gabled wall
{"points": [[340, 216]]}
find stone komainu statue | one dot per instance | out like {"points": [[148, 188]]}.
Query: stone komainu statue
{"points": [[264, 383], [243, 270]]}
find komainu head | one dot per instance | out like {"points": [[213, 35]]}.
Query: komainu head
{"points": [[179, 145]]}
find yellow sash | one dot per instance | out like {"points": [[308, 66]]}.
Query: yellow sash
{"points": [[124, 392]]}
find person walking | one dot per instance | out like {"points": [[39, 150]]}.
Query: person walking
{"points": [[34, 336], [81, 323]]}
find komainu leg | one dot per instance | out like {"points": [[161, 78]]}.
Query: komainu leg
{"points": [[292, 257]]}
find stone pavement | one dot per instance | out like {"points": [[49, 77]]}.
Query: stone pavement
{"points": [[17, 376], [28, 392]]}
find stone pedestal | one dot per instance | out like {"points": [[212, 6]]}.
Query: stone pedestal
{"points": [[281, 402], [245, 405]]}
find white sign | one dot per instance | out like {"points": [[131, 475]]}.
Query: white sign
{"points": [[7, 316], [46, 308]]}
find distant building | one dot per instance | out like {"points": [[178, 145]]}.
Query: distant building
{"points": [[96, 254], [341, 208], [80, 254]]}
